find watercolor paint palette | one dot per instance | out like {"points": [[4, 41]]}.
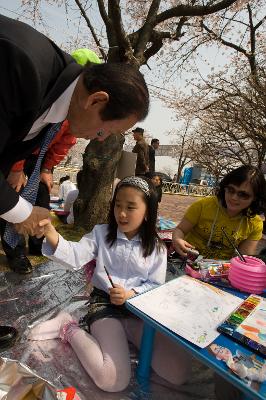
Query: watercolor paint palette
{"points": [[247, 324]]}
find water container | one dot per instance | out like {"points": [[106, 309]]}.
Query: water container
{"points": [[249, 276]]}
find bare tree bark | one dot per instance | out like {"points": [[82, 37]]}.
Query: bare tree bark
{"points": [[99, 165]]}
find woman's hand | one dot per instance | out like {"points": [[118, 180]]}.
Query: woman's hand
{"points": [[119, 295], [182, 247]]}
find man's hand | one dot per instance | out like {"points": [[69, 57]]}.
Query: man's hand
{"points": [[17, 180], [47, 178], [30, 225]]}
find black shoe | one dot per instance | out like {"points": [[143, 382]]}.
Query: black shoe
{"points": [[20, 264], [35, 252], [8, 336]]}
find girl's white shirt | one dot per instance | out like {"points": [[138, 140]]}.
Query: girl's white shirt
{"points": [[124, 260]]}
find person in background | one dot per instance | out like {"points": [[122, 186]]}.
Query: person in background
{"points": [[71, 198], [240, 199], [152, 147], [157, 181], [65, 187], [174, 178], [101, 340], [142, 150]]}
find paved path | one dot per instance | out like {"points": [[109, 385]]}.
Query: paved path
{"points": [[173, 206]]}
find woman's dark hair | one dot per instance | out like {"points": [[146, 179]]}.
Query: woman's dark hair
{"points": [[257, 181], [147, 232], [125, 85]]}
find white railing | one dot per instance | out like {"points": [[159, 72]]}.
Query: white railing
{"points": [[191, 190]]}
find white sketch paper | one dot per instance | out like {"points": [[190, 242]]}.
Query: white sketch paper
{"points": [[188, 307]]}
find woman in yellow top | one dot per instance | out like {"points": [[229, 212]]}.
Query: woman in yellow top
{"points": [[240, 199]]}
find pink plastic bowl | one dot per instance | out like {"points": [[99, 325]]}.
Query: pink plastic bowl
{"points": [[248, 276]]}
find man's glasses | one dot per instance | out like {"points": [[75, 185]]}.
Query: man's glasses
{"points": [[240, 193]]}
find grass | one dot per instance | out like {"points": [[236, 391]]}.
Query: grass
{"points": [[69, 232]]}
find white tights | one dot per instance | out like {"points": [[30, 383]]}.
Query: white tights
{"points": [[105, 354]]}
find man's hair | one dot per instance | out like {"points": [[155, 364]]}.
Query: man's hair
{"points": [[138, 130], [154, 141], [125, 85]]}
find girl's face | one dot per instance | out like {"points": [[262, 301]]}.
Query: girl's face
{"points": [[156, 180], [238, 198], [130, 210]]}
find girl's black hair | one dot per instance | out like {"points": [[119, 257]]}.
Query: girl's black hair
{"points": [[147, 231], [257, 181]]}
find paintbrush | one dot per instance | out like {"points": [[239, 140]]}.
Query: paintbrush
{"points": [[109, 276], [242, 258]]}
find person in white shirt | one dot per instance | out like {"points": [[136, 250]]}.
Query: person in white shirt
{"points": [[71, 198], [65, 187], [130, 259]]}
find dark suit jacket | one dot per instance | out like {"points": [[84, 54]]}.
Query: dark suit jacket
{"points": [[151, 160], [142, 150], [34, 72]]}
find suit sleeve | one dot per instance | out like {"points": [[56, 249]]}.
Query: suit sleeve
{"points": [[19, 93]]}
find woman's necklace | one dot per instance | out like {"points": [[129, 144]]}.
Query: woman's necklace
{"points": [[214, 223]]}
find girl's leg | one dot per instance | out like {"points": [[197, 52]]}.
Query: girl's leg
{"points": [[50, 329], [169, 360], [104, 354]]}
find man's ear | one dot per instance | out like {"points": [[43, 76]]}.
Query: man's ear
{"points": [[97, 99]]}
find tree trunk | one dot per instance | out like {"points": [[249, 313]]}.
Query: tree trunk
{"points": [[99, 164]]}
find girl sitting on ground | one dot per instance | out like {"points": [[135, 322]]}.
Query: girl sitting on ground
{"points": [[130, 250]]}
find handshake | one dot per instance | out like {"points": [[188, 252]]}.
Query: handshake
{"points": [[30, 225]]}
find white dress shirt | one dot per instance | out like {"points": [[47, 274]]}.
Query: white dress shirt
{"points": [[56, 113], [124, 260], [68, 204], [65, 188]]}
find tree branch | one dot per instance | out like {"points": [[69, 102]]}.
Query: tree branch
{"points": [[192, 11], [97, 41], [123, 42]]}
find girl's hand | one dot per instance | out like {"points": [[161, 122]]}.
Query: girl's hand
{"points": [[118, 295], [45, 228], [182, 247]]}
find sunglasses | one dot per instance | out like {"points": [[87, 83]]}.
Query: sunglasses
{"points": [[240, 193]]}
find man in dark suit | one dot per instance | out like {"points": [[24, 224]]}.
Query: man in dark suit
{"points": [[152, 147], [142, 150], [41, 85]]}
